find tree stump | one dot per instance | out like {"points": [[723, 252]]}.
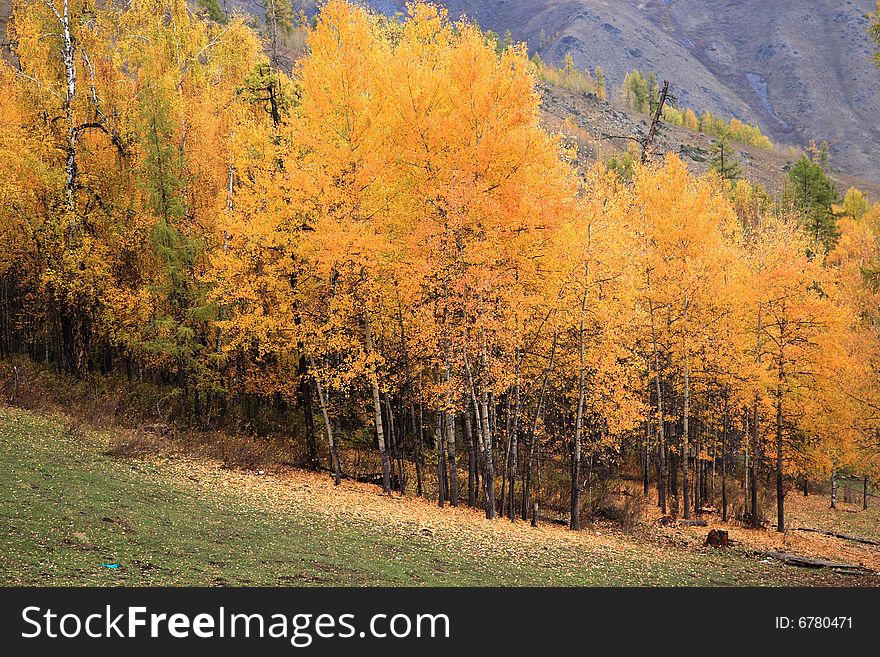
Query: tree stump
{"points": [[717, 538]]}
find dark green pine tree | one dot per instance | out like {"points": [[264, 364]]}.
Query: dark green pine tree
{"points": [[813, 194], [179, 299], [723, 161], [214, 11]]}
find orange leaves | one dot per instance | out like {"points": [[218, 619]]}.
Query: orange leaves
{"points": [[430, 188]]}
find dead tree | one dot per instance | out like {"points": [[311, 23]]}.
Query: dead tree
{"points": [[648, 144]]}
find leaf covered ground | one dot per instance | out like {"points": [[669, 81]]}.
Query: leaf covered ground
{"points": [[68, 511]]}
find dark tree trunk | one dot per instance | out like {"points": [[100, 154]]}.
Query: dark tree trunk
{"points": [[420, 445], [472, 458], [724, 430], [377, 412], [505, 473], [452, 469], [673, 483], [441, 461], [514, 448], [780, 491], [533, 434], [698, 471], [753, 474], [304, 395], [833, 489], [661, 479]]}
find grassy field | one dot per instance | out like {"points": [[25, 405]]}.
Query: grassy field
{"points": [[68, 510]]}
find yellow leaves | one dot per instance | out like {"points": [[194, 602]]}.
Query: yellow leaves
{"points": [[405, 181]]}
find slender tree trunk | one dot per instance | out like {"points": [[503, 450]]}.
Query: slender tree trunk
{"points": [[698, 470], [684, 421], [472, 457], [481, 413], [452, 480], [395, 447], [331, 443], [833, 488], [753, 466], [661, 482], [304, 392], [514, 445], [780, 492], [506, 471], [377, 411], [575, 512], [452, 469], [70, 166], [478, 455], [724, 431], [488, 464], [420, 446], [673, 480], [441, 461], [661, 446], [533, 433]]}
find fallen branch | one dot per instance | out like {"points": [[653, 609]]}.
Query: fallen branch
{"points": [[807, 562], [846, 537]]}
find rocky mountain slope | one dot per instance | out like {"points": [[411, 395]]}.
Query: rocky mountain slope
{"points": [[800, 70], [602, 130]]}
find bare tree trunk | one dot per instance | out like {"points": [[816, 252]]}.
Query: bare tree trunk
{"points": [[481, 413], [661, 481], [684, 421], [377, 411], [698, 471], [753, 471], [472, 457], [304, 394], [780, 492], [865, 493], [331, 443], [489, 475], [514, 446], [533, 433], [724, 430], [505, 471], [70, 165], [395, 447], [661, 446], [441, 461], [575, 512], [272, 19], [452, 469], [833, 488], [648, 144], [420, 446]]}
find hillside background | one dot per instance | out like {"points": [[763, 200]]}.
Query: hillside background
{"points": [[800, 70]]}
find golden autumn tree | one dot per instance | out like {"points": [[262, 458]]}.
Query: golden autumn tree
{"points": [[680, 227], [596, 247]]}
